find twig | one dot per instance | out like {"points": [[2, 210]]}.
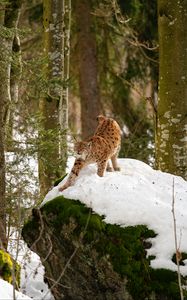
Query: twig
{"points": [[150, 100], [178, 253], [137, 43]]}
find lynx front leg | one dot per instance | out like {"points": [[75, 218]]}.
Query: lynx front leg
{"points": [[101, 168], [114, 162], [78, 165], [109, 168]]}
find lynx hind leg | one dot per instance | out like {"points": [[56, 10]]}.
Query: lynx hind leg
{"points": [[109, 168], [114, 162], [78, 165], [64, 186], [101, 168]]}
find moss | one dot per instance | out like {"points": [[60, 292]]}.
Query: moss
{"points": [[124, 247], [31, 225], [63, 209], [59, 180], [166, 283], [6, 268], [183, 257]]}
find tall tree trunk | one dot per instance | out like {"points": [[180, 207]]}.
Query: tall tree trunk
{"points": [[15, 76], [53, 21], [171, 136], [88, 81], [9, 20], [3, 241], [64, 99]]}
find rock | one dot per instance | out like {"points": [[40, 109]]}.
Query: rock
{"points": [[85, 258]]}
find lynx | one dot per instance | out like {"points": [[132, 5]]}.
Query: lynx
{"points": [[102, 146]]}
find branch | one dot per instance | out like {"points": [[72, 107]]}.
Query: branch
{"points": [[150, 100], [177, 250]]}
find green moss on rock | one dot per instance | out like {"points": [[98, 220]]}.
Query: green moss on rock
{"points": [[6, 268], [59, 179], [124, 248]]}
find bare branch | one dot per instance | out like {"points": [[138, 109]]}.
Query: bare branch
{"points": [[178, 253]]}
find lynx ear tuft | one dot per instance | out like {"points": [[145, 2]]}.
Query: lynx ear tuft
{"points": [[100, 118]]}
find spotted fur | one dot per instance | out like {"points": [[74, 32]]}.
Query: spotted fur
{"points": [[100, 148]]}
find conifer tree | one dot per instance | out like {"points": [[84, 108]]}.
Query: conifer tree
{"points": [[52, 157]]}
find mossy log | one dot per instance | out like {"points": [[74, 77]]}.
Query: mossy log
{"points": [[86, 258]]}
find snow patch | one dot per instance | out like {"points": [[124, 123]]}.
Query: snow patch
{"points": [[6, 292]]}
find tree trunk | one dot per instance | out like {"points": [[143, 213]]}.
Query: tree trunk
{"points": [[9, 20], [3, 241], [49, 160], [171, 134], [88, 83], [15, 76]]}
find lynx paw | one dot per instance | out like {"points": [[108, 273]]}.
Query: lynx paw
{"points": [[117, 169], [63, 187], [109, 169]]}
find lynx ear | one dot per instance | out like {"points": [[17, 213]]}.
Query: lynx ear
{"points": [[89, 144], [100, 118], [76, 145]]}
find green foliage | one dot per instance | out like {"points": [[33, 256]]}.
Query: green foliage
{"points": [[6, 268], [123, 247], [7, 33], [143, 14], [139, 146], [22, 184], [35, 12], [166, 282]]}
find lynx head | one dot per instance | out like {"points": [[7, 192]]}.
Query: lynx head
{"points": [[82, 149], [101, 118]]}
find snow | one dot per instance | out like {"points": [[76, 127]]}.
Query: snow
{"points": [[32, 271], [136, 195], [6, 292], [32, 277]]}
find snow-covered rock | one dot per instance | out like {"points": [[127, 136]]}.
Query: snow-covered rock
{"points": [[137, 195]]}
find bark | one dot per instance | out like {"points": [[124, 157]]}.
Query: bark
{"points": [[3, 241], [48, 148], [63, 107], [171, 135], [88, 81], [53, 21], [9, 21], [15, 76]]}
